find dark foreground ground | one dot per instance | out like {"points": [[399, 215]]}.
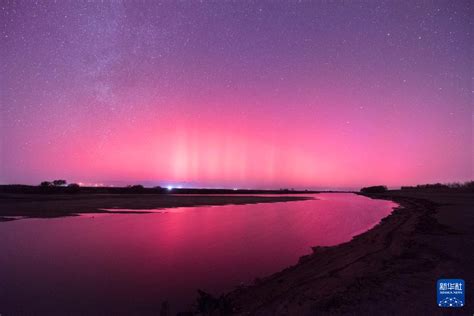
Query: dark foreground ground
{"points": [[55, 205], [389, 270]]}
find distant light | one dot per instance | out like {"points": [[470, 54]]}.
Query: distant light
{"points": [[235, 189], [169, 188]]}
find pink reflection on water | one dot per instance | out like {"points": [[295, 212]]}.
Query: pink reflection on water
{"points": [[133, 262]]}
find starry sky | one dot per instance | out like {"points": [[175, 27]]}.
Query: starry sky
{"points": [[267, 94]]}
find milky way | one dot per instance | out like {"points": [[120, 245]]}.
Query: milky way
{"points": [[237, 94]]}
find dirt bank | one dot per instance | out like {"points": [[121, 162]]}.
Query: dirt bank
{"points": [[390, 270]]}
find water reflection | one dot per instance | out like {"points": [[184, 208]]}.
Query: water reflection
{"points": [[130, 263]]}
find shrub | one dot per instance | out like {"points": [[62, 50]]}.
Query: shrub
{"points": [[135, 188], [469, 185], [73, 188]]}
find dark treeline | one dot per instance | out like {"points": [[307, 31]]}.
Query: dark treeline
{"points": [[47, 187], [461, 187], [466, 186], [374, 189]]}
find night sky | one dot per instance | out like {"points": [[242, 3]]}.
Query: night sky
{"points": [[311, 94]]}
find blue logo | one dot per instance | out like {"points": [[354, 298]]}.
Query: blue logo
{"points": [[451, 292]]}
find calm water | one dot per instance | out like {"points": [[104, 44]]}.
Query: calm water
{"points": [[132, 262]]}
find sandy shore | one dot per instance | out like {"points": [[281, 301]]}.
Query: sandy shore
{"points": [[56, 205], [390, 270]]}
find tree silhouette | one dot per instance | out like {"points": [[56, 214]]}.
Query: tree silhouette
{"points": [[73, 188], [58, 183]]}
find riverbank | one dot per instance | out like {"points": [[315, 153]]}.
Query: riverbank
{"points": [[13, 206], [391, 269]]}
